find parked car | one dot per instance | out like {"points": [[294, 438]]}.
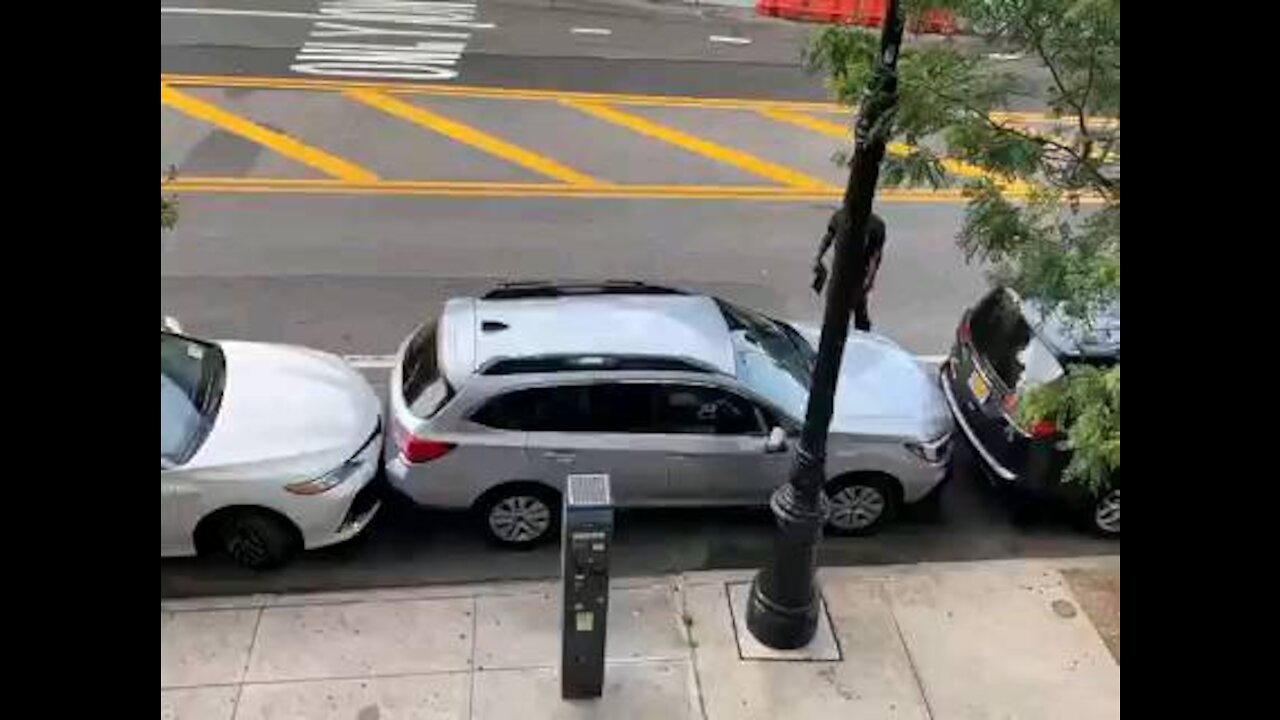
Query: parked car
{"points": [[264, 449], [684, 399], [1005, 346]]}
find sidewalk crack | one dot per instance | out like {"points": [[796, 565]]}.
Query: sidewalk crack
{"points": [[248, 657], [471, 694], [915, 672], [681, 587]]}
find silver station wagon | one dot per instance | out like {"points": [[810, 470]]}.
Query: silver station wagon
{"points": [[683, 399]]}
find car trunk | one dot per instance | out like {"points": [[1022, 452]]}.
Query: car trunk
{"points": [[998, 356]]}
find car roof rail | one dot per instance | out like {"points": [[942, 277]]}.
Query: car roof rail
{"points": [[539, 364], [519, 290]]}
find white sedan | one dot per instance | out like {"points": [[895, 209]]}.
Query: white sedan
{"points": [[264, 449]]}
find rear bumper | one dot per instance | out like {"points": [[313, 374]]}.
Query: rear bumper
{"points": [[989, 462]]}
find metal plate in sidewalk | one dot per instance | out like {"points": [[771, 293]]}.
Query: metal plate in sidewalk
{"points": [[823, 648]]}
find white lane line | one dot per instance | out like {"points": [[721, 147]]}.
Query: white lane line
{"points": [[317, 16], [590, 31], [729, 40], [385, 362], [234, 12]]}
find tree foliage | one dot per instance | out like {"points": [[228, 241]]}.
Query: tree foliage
{"points": [[1043, 200], [168, 213]]}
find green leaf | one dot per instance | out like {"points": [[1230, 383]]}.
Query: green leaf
{"points": [[1086, 401]]}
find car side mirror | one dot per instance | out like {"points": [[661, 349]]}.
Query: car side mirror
{"points": [[777, 441]]}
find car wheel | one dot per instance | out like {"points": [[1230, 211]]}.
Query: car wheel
{"points": [[520, 516], [257, 539], [1106, 514], [861, 504]]}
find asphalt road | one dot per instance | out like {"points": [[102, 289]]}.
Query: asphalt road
{"points": [[281, 251], [356, 275], [651, 47]]}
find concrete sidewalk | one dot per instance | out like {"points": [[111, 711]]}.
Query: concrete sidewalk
{"points": [[1000, 639]]}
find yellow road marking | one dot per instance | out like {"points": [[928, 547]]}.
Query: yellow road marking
{"points": [[808, 122], [1023, 118], [719, 153], [468, 135], [282, 144], [197, 185], [471, 91], [836, 130], [491, 93]]}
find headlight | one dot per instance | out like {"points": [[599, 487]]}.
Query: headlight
{"points": [[326, 482], [932, 451]]}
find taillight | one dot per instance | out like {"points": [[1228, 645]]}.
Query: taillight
{"points": [[964, 333], [1043, 429], [420, 450]]}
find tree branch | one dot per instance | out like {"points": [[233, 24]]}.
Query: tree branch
{"points": [[1036, 38], [1076, 159]]}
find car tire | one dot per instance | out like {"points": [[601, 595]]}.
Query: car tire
{"points": [[862, 503], [258, 539], [1104, 514], [520, 515]]}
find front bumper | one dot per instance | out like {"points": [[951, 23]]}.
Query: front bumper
{"points": [[353, 507]]}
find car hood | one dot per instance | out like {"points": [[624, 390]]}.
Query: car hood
{"points": [[884, 390], [286, 410]]}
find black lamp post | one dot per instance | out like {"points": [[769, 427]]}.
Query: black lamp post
{"points": [[783, 610]]}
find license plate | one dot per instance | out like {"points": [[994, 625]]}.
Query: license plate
{"points": [[978, 385]]}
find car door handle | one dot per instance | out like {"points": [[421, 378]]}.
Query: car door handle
{"points": [[559, 455]]}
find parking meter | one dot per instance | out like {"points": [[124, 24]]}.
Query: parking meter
{"points": [[586, 537]]}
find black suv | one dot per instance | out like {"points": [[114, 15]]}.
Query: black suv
{"points": [[1004, 346]]}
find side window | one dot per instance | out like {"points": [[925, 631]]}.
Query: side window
{"points": [[623, 407], [693, 409], [772, 419], [548, 409]]}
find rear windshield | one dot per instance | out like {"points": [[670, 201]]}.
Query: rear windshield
{"points": [[425, 390], [1007, 343]]}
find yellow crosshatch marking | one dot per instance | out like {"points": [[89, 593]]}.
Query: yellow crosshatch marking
{"points": [[842, 132], [428, 188], [288, 83], [783, 184], [487, 93], [468, 135], [282, 144], [719, 153]]}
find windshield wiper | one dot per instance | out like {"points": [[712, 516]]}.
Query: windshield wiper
{"points": [[211, 390]]}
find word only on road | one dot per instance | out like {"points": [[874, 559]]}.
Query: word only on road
{"points": [[432, 35]]}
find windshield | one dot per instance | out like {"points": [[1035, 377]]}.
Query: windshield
{"points": [[191, 380], [772, 358]]}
